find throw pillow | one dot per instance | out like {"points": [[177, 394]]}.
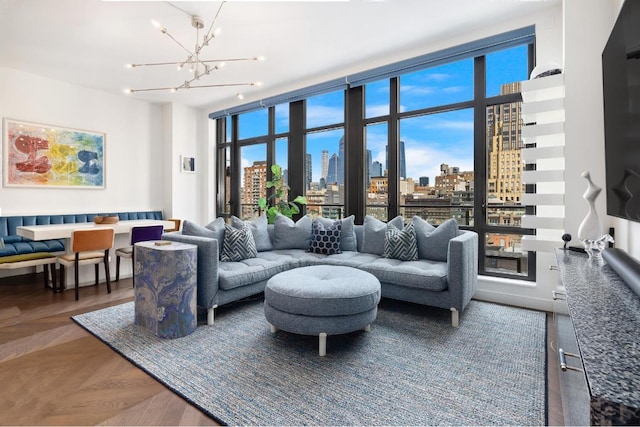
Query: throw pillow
{"points": [[373, 234], [238, 244], [214, 230], [259, 230], [433, 243], [325, 239], [401, 244], [291, 235], [348, 239]]}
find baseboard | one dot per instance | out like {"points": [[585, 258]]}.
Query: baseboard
{"points": [[516, 300]]}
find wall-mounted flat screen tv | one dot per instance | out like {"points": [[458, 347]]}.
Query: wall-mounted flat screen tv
{"points": [[621, 85]]}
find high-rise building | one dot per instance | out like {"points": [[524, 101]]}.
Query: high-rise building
{"points": [[424, 181], [309, 170], [254, 187], [340, 169], [324, 168], [504, 140], [403, 160], [332, 170], [375, 170], [369, 166]]}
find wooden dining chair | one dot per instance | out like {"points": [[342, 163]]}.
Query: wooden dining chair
{"points": [[138, 234], [176, 225], [88, 247]]}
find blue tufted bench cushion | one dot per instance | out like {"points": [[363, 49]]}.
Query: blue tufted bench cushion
{"points": [[18, 245]]}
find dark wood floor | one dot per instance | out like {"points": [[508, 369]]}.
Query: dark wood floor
{"points": [[52, 372]]}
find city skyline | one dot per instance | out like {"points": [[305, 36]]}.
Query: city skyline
{"points": [[429, 140]]}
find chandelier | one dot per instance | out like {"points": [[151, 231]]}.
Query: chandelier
{"points": [[198, 65]]}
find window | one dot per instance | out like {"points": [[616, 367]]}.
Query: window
{"points": [[438, 138]]}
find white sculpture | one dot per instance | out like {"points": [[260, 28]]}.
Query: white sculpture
{"points": [[590, 227], [590, 230]]}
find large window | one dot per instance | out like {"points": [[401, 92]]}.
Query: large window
{"points": [[437, 141]]}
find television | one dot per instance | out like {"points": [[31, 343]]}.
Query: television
{"points": [[621, 89]]}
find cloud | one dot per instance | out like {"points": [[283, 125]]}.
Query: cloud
{"points": [[322, 115]]}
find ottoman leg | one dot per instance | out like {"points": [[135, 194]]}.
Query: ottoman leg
{"points": [[367, 328], [273, 328], [322, 344]]}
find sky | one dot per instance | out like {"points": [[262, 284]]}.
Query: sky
{"points": [[429, 140]]}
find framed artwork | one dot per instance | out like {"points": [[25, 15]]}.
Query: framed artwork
{"points": [[188, 164], [39, 155]]}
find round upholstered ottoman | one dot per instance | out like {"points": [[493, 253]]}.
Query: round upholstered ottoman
{"points": [[321, 300]]}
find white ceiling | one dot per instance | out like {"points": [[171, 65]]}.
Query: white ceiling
{"points": [[88, 42]]}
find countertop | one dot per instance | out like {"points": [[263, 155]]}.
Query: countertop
{"points": [[606, 318]]}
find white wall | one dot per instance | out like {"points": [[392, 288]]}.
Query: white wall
{"points": [[133, 129]]}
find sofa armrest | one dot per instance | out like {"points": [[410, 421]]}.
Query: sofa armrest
{"points": [[462, 265], [207, 266]]}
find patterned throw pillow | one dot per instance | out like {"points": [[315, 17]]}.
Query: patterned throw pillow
{"points": [[238, 244], [401, 244], [325, 239]]}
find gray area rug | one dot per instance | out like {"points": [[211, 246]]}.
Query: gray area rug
{"points": [[412, 368]]}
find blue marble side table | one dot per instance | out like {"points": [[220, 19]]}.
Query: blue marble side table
{"points": [[165, 287]]}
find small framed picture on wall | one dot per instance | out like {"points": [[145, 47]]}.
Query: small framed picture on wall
{"points": [[188, 164]]}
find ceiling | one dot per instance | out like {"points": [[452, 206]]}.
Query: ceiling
{"points": [[88, 42]]}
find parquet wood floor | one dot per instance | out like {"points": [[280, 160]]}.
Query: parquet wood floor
{"points": [[53, 372]]}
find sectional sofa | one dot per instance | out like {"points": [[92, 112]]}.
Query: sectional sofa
{"points": [[440, 270]]}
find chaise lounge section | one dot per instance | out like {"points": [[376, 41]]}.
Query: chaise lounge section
{"points": [[444, 275]]}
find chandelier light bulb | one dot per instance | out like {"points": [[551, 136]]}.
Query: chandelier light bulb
{"points": [[240, 96], [259, 58], [128, 65], [128, 91]]}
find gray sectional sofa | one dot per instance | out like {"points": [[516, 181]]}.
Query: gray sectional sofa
{"points": [[444, 275]]}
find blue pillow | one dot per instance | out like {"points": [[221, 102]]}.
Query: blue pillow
{"points": [[325, 239], [259, 230], [433, 243], [401, 244], [238, 244], [214, 230], [348, 239], [291, 235], [373, 234]]}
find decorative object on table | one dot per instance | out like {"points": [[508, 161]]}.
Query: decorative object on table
{"points": [[277, 201], [110, 219], [188, 164], [566, 238], [544, 70], [38, 155], [199, 66], [165, 288], [590, 230]]}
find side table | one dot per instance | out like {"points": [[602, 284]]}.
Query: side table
{"points": [[165, 287]]}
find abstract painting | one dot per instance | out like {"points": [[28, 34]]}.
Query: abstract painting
{"points": [[38, 155]]}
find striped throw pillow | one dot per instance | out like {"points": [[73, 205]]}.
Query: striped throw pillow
{"points": [[401, 244]]}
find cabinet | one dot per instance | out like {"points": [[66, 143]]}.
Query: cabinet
{"points": [[603, 329]]}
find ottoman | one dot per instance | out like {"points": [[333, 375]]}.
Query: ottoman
{"points": [[321, 300]]}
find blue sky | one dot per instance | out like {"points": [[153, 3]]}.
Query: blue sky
{"points": [[429, 140]]}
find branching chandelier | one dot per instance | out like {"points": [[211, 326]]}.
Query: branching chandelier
{"points": [[197, 65]]}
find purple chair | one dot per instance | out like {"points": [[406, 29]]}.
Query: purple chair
{"points": [[138, 234]]}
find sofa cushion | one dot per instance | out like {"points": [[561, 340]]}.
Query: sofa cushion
{"points": [[350, 259], [325, 239], [233, 275], [433, 243], [302, 257], [291, 235], [238, 244], [348, 240], [401, 244], [214, 229], [422, 274], [259, 230], [374, 233]]}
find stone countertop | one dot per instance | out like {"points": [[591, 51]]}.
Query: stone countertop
{"points": [[606, 318]]}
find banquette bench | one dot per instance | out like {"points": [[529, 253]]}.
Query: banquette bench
{"points": [[19, 252]]}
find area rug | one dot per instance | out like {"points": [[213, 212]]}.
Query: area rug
{"points": [[412, 368]]}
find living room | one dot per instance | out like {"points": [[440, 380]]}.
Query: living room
{"points": [[146, 139]]}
